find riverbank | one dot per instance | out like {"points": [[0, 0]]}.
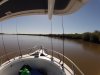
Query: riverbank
{"points": [[93, 37]]}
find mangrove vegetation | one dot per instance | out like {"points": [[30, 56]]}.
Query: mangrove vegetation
{"points": [[87, 36]]}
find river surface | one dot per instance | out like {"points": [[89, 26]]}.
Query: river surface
{"points": [[84, 54]]}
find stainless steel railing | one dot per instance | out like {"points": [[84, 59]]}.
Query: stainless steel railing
{"points": [[58, 55], [69, 62]]}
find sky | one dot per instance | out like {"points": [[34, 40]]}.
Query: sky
{"points": [[87, 19]]}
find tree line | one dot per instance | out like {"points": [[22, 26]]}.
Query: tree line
{"points": [[87, 36]]}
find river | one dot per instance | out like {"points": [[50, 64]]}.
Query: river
{"points": [[84, 54]]}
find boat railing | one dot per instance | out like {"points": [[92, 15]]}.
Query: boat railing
{"points": [[67, 61], [12, 55]]}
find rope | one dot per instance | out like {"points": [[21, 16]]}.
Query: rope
{"points": [[4, 47], [18, 40], [51, 41], [63, 39]]}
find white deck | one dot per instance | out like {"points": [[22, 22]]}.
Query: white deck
{"points": [[43, 62]]}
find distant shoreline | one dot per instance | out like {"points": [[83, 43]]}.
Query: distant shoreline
{"points": [[93, 37]]}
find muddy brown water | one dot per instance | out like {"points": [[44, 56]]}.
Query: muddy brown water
{"points": [[84, 54]]}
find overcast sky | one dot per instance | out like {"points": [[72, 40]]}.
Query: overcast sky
{"points": [[87, 19]]}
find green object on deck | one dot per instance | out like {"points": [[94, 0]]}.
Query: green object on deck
{"points": [[25, 71]]}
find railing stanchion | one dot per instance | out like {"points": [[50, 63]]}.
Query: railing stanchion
{"points": [[73, 69], [0, 61]]}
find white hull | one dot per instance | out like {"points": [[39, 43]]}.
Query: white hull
{"points": [[54, 67]]}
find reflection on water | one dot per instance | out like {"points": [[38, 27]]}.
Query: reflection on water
{"points": [[85, 55]]}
